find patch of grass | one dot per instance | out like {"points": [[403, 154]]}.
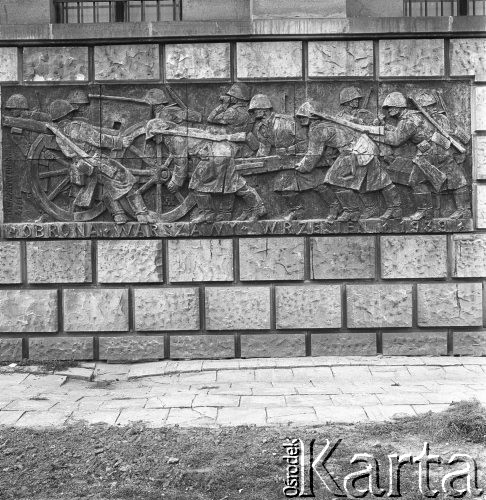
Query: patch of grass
{"points": [[462, 421]]}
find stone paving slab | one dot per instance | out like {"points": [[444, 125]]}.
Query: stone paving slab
{"points": [[240, 392]]}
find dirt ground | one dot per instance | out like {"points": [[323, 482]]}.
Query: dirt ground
{"points": [[103, 462]]}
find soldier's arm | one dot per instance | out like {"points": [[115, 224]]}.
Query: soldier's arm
{"points": [[396, 136], [315, 150], [217, 115], [180, 162]]}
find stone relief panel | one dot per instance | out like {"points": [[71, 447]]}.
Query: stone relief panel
{"points": [[336, 58], [468, 56], [8, 64], [349, 157]]}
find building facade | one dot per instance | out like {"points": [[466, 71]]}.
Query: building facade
{"points": [[220, 179]]}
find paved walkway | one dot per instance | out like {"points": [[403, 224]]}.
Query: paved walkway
{"points": [[301, 391]]}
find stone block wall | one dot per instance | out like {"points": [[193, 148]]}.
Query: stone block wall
{"points": [[260, 296], [248, 296]]}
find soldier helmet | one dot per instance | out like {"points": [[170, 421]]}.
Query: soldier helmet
{"points": [[395, 100], [156, 97], [60, 108], [17, 101], [260, 101], [240, 91], [425, 98], [78, 97], [306, 110], [349, 94]]}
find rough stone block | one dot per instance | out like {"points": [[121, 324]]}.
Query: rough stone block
{"points": [[202, 346], [413, 256], [469, 255], [479, 142], [269, 59], [200, 260], [48, 64], [415, 344], [10, 271], [271, 259], [450, 304], [96, 310], [273, 345], [481, 206], [28, 311], [197, 61], [129, 261], [8, 64], [469, 343], [379, 306], [468, 56], [127, 62], [59, 261], [238, 308], [304, 307], [480, 109], [166, 309], [342, 257], [131, 348], [61, 348], [341, 58], [412, 57], [343, 344], [10, 349]]}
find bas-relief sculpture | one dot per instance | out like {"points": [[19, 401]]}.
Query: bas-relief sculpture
{"points": [[382, 157]]}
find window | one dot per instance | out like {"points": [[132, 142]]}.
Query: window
{"points": [[437, 8]]}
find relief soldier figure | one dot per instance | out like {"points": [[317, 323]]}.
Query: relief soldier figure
{"points": [[168, 106], [350, 101], [233, 113]]}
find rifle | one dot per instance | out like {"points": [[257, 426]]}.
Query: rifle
{"points": [[25, 124], [119, 98], [446, 134], [176, 98], [367, 99], [364, 129]]}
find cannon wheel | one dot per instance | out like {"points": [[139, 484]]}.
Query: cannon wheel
{"points": [[186, 203], [50, 168]]}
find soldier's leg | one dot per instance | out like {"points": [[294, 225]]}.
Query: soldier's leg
{"points": [[349, 200], [116, 210], [254, 208], [225, 209], [423, 203], [462, 198], [206, 209], [393, 203], [138, 206], [370, 203], [331, 200]]}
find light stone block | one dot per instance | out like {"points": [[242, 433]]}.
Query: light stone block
{"points": [[469, 343], [412, 57], [59, 261], [237, 308], [413, 256], [273, 345], [95, 310], [480, 156], [468, 56], [129, 261], [202, 346], [469, 255], [197, 61], [415, 344], [127, 62], [8, 64], [28, 311], [340, 58], [379, 306], [10, 350], [50, 64], [342, 257], [10, 271], [61, 348], [343, 344], [481, 206], [480, 109], [166, 309], [450, 304], [267, 259], [299, 307], [269, 59], [200, 260], [131, 348]]}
